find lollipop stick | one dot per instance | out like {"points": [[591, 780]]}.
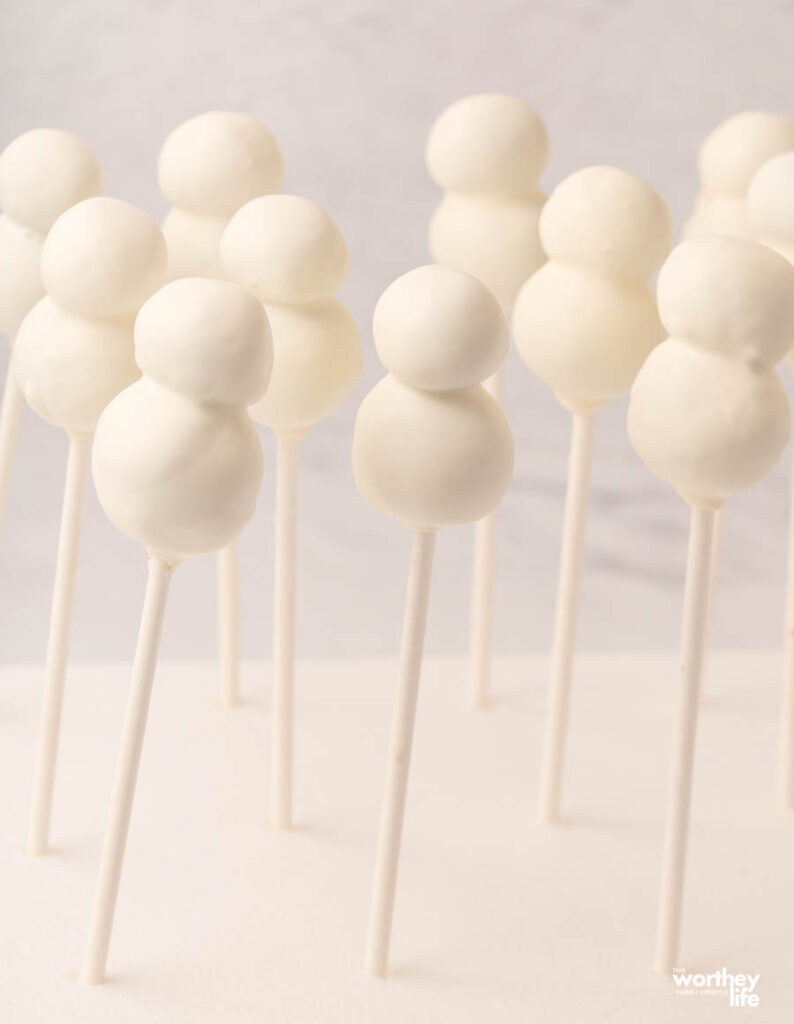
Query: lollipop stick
{"points": [[568, 585], [387, 861], [786, 753], [58, 641], [693, 645], [9, 425], [482, 592], [127, 770], [284, 625], [714, 571], [229, 624]]}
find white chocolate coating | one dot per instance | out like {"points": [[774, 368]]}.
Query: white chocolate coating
{"points": [[586, 320], [289, 253], [770, 204], [487, 153], [708, 414], [209, 167], [729, 157], [74, 350], [434, 457], [180, 470], [42, 173]]}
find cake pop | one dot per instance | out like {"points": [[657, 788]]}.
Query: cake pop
{"points": [[487, 153], [431, 448], [584, 323], [102, 258], [209, 167], [293, 257], [177, 466], [727, 161], [709, 415], [770, 217], [42, 173]]}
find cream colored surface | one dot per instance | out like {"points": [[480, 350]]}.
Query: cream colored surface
{"points": [[770, 204], [177, 462], [432, 458], [707, 411], [586, 320], [728, 158]]}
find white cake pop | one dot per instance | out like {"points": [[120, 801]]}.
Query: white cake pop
{"points": [[487, 153], [42, 174], [431, 448], [709, 415], [177, 466], [74, 352], [209, 167], [729, 157], [585, 322]]}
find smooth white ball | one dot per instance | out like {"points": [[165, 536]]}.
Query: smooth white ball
{"points": [[431, 459], [215, 162], [439, 329], [736, 148], [606, 220], [69, 367], [285, 249], [317, 360], [488, 143], [770, 204], [42, 173], [179, 476], [731, 296], [103, 258], [209, 340]]}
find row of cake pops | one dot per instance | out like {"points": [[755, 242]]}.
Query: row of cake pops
{"points": [[585, 322]]}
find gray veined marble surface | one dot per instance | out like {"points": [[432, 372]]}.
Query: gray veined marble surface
{"points": [[349, 89]]}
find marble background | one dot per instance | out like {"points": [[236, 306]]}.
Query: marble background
{"points": [[349, 88]]}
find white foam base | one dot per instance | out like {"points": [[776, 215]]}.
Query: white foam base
{"points": [[498, 920]]}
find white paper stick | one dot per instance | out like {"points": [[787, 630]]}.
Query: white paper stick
{"points": [[714, 572], [10, 412], [786, 752], [693, 646], [566, 613], [391, 825], [127, 770], [58, 642], [286, 520], [228, 563], [482, 594]]}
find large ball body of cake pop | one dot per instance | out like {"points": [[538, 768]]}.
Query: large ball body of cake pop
{"points": [[215, 162], [103, 258], [180, 470], [488, 143], [42, 173], [193, 242], [431, 459], [20, 273], [438, 328], [707, 412], [728, 158], [69, 367], [770, 205]]}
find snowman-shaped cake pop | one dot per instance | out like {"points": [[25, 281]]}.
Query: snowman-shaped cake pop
{"points": [[74, 352], [42, 173], [709, 415], [770, 217], [293, 257], [487, 152], [585, 322], [431, 448], [729, 157], [177, 466], [209, 167]]}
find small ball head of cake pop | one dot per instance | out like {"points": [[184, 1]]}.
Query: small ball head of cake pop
{"points": [[770, 205], [440, 453], [215, 162], [708, 414]]}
